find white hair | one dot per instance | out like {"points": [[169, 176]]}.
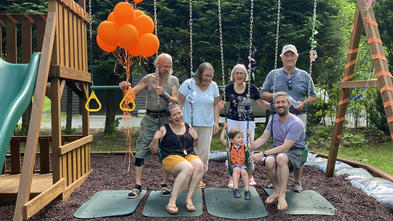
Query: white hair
{"points": [[239, 67]]}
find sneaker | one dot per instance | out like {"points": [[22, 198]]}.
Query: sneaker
{"points": [[135, 192], [247, 195], [297, 187], [236, 193]]}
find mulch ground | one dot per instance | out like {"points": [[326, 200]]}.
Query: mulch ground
{"points": [[110, 173]]}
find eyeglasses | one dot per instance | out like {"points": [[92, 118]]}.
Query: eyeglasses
{"points": [[289, 84]]}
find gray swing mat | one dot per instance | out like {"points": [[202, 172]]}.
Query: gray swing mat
{"points": [[155, 205], [307, 202], [221, 203], [108, 203]]}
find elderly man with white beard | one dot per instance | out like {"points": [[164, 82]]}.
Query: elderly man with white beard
{"points": [[162, 88]]}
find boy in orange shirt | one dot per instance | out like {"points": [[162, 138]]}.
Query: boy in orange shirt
{"points": [[238, 158]]}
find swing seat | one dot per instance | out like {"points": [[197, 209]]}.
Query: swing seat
{"points": [[230, 170], [17, 83]]}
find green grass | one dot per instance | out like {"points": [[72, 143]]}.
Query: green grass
{"points": [[379, 156]]}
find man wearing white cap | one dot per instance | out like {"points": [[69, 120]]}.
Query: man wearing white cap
{"points": [[300, 88]]}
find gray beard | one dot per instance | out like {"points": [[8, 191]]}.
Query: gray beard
{"points": [[164, 77]]}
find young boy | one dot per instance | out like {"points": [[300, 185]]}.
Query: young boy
{"points": [[237, 151]]}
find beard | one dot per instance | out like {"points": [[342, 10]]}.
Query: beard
{"points": [[285, 112], [165, 75]]}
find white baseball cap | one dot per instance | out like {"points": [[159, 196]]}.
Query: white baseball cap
{"points": [[289, 48]]}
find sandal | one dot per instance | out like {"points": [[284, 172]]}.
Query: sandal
{"points": [[271, 200], [172, 209], [134, 193], [202, 185], [165, 191], [282, 206], [190, 207]]}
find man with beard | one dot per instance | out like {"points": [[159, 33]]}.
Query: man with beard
{"points": [[288, 133], [161, 87]]}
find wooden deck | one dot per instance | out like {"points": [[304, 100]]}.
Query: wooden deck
{"points": [[10, 184]]}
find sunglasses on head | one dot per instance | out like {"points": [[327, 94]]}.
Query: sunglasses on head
{"points": [[289, 84]]}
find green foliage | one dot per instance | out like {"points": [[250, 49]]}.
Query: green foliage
{"points": [[377, 116]]}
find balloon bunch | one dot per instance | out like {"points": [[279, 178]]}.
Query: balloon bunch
{"points": [[130, 29]]}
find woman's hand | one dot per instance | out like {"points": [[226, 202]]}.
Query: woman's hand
{"points": [[215, 129]]}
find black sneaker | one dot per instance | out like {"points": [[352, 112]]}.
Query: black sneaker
{"points": [[236, 193], [247, 195]]}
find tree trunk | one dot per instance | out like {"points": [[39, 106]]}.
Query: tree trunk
{"points": [[110, 126]]}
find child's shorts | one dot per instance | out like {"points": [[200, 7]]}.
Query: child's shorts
{"points": [[241, 167]]}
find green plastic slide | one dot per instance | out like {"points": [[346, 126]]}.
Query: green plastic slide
{"points": [[17, 83]]}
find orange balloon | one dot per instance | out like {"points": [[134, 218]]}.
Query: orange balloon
{"points": [[104, 46], [148, 45], [124, 13], [137, 1], [144, 24], [128, 36], [107, 32], [111, 17], [135, 52], [138, 12]]}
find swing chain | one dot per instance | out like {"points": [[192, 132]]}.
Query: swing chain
{"points": [[91, 44], [277, 34], [313, 45], [221, 44], [190, 22], [155, 20]]}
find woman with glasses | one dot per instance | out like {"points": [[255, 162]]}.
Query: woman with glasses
{"points": [[199, 97], [240, 114], [299, 86]]}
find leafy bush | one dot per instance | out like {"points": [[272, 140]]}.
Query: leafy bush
{"points": [[377, 116]]}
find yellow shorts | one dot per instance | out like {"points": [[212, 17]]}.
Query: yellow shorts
{"points": [[169, 162]]}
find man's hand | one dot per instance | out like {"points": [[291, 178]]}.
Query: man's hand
{"points": [[124, 85], [256, 157], [215, 128], [159, 90]]}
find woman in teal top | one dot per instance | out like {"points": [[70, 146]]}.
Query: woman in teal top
{"points": [[199, 97]]}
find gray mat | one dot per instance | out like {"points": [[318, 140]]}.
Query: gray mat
{"points": [[307, 202], [155, 205], [220, 202], [108, 203]]}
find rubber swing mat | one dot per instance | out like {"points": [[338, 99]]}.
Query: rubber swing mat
{"points": [[155, 205], [308, 202], [221, 203], [108, 203]]}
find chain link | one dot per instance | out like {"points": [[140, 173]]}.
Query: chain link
{"points": [[91, 44], [155, 20], [277, 34], [190, 21], [221, 44], [314, 18]]}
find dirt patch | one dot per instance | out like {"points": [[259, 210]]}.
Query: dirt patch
{"points": [[110, 173]]}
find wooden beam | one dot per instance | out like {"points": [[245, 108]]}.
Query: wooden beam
{"points": [[27, 41], [43, 199], [359, 84], [59, 71], [11, 45], [35, 118], [76, 144], [69, 189]]}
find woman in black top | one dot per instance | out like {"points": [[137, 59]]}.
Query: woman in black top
{"points": [[176, 142], [240, 114]]}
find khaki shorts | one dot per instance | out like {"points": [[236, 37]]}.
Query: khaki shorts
{"points": [[169, 162]]}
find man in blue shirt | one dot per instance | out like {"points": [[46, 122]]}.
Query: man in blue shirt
{"points": [[299, 86]]}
